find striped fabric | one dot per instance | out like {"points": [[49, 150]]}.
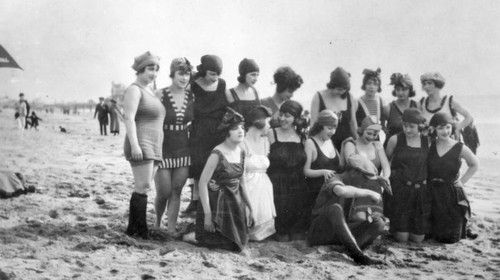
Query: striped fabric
{"points": [[174, 127], [179, 112], [175, 162]]}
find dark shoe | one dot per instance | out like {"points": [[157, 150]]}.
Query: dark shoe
{"points": [[137, 223], [470, 234], [365, 260]]}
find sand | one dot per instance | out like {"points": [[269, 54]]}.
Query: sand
{"points": [[73, 226]]}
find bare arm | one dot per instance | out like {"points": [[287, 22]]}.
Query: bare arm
{"points": [[229, 97], [386, 168], [391, 145], [385, 113], [465, 113], [131, 102], [314, 108], [206, 176], [472, 163], [354, 124], [351, 192]]}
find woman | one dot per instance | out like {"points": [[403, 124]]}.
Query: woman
{"points": [[287, 82], [370, 104], [450, 207], [244, 96], [331, 225], [221, 218], [143, 117], [403, 90], [322, 161], [432, 84], [209, 108], [409, 207], [259, 186], [114, 122], [338, 99], [174, 168], [368, 146], [287, 159]]}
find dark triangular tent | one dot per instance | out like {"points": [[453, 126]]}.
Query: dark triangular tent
{"points": [[6, 60]]}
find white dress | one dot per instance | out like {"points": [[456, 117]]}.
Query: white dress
{"points": [[260, 193]]}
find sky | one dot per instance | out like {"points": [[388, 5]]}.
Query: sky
{"points": [[72, 50]]}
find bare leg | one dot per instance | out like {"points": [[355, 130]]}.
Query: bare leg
{"points": [[163, 180], [417, 238], [179, 177], [402, 236]]}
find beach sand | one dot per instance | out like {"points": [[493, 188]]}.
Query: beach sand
{"points": [[73, 226]]}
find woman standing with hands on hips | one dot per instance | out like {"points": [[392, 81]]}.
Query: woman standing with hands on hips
{"points": [[174, 168], [450, 206], [144, 115]]}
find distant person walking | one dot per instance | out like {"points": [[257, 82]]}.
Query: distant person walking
{"points": [[144, 115], [102, 111], [22, 111], [114, 122]]}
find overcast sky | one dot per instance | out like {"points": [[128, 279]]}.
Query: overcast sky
{"points": [[74, 49]]}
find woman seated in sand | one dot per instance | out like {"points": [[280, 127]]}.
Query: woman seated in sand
{"points": [[174, 168], [144, 115], [259, 186], [221, 218], [323, 160], [450, 206], [331, 225]]}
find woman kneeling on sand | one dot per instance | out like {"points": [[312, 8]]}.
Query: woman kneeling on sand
{"points": [[144, 115], [221, 218], [450, 206]]}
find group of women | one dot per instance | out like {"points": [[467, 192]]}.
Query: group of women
{"points": [[258, 175]]}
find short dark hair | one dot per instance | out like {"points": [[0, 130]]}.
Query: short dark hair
{"points": [[183, 70], [286, 79], [367, 78], [259, 124], [21, 94], [412, 91], [144, 68], [315, 129]]}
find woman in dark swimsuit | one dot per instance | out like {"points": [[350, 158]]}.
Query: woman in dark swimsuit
{"points": [[244, 97], [338, 99]]}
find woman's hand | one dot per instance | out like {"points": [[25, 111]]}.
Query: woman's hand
{"points": [[136, 153], [328, 174], [376, 197], [458, 184], [251, 220], [209, 225]]}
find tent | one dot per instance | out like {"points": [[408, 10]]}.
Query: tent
{"points": [[6, 60]]}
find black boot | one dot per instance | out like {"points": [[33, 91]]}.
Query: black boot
{"points": [[137, 223]]}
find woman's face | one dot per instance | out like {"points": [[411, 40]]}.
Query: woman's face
{"points": [[211, 77], [410, 129], [286, 95], [181, 79], [371, 87], [150, 73], [286, 120], [338, 91], [429, 87], [402, 93], [237, 133], [370, 135], [444, 131], [251, 78], [327, 132], [267, 126]]}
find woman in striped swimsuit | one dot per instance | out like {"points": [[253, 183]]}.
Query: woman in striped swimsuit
{"points": [[174, 168]]}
